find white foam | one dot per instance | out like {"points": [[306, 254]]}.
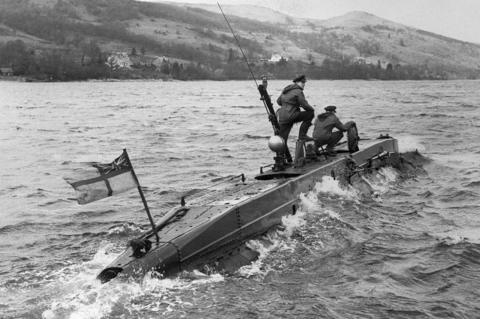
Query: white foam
{"points": [[81, 295], [256, 267], [275, 240], [280, 240], [381, 181], [125, 229], [293, 222], [328, 185], [309, 201], [410, 143], [333, 215], [389, 173], [152, 283]]}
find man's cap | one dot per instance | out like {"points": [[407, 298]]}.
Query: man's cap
{"points": [[331, 108], [300, 78]]}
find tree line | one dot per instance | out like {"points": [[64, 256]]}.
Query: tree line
{"points": [[90, 62]]}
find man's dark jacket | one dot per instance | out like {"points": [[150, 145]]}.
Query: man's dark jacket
{"points": [[291, 100], [325, 123]]}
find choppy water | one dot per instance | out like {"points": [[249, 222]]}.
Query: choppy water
{"points": [[413, 250]]}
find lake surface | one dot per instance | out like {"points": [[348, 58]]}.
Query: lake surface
{"points": [[412, 250]]}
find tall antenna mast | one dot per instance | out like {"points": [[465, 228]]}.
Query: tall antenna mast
{"points": [[262, 89], [238, 43]]}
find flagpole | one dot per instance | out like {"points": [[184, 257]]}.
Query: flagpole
{"points": [[143, 197]]}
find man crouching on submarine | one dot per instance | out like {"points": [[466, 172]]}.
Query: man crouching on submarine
{"points": [[290, 101], [323, 127]]}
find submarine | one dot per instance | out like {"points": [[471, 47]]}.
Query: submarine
{"points": [[211, 232]]}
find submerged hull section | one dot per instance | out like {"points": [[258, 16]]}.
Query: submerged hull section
{"points": [[213, 233]]}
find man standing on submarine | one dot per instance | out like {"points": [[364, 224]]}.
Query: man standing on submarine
{"points": [[291, 101]]}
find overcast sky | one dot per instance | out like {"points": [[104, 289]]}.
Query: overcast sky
{"points": [[459, 19]]}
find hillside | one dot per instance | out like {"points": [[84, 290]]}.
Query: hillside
{"points": [[363, 35], [74, 39], [387, 40], [247, 11]]}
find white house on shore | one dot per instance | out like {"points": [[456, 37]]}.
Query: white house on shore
{"points": [[119, 60], [160, 60], [6, 71], [277, 58]]}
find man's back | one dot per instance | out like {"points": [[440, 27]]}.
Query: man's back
{"points": [[324, 124]]}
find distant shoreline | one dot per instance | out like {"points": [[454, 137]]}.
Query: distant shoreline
{"points": [[16, 78], [13, 78], [27, 80]]}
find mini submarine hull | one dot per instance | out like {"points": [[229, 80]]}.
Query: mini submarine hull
{"points": [[213, 234]]}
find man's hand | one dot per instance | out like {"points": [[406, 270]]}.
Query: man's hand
{"points": [[349, 124]]}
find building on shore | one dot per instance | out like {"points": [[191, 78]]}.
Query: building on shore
{"points": [[119, 60], [6, 71]]}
